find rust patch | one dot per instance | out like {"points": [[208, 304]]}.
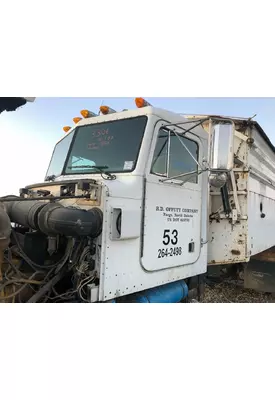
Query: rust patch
{"points": [[267, 255], [235, 252]]}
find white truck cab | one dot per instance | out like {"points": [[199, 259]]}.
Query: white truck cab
{"points": [[153, 196], [146, 167]]}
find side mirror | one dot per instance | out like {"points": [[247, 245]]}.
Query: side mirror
{"points": [[222, 149]]}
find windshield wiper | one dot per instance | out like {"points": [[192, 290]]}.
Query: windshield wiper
{"points": [[100, 168], [50, 178]]}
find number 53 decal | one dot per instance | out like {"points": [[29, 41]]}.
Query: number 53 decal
{"points": [[170, 237]]}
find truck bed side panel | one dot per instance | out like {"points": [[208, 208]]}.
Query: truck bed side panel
{"points": [[261, 197]]}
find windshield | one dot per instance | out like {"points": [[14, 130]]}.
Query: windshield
{"points": [[113, 144], [59, 156]]}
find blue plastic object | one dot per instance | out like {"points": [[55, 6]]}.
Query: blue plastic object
{"points": [[172, 292]]}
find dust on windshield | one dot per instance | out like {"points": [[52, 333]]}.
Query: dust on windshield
{"points": [[114, 145]]}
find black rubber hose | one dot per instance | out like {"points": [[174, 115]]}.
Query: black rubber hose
{"points": [[25, 213], [54, 219]]}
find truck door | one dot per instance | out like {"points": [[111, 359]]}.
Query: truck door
{"points": [[172, 208]]}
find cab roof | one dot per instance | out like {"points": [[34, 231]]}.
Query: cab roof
{"points": [[171, 117]]}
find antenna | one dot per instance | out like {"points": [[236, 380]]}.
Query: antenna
{"points": [[249, 119]]}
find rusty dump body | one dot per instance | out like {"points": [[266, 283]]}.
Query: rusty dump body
{"points": [[246, 230]]}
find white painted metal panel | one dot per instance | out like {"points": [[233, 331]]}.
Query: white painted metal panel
{"points": [[261, 199], [121, 270], [172, 234], [227, 241], [227, 244]]}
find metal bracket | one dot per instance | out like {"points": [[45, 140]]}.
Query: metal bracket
{"points": [[94, 293], [235, 194]]}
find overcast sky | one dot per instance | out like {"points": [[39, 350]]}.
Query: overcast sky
{"points": [[30, 133]]}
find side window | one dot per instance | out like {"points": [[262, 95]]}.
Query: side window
{"points": [[171, 158], [160, 160]]}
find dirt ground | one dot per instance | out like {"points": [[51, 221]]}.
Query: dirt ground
{"points": [[231, 291]]}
